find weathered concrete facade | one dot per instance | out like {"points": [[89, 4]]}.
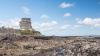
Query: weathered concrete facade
{"points": [[25, 24], [25, 29]]}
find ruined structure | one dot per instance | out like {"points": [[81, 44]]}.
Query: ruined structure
{"points": [[36, 45], [25, 29], [25, 24]]}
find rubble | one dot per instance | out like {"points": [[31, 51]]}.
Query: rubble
{"points": [[48, 46]]}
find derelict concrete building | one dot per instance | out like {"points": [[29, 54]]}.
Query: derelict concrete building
{"points": [[26, 26]]}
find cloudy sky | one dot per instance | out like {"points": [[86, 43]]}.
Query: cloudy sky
{"points": [[54, 17]]}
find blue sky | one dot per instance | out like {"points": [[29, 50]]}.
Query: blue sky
{"points": [[54, 17]]}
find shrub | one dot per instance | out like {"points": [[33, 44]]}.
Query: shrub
{"points": [[26, 32]]}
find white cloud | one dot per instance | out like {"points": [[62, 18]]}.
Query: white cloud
{"points": [[67, 14], [76, 26], [64, 27], [90, 21], [77, 19], [25, 10], [35, 25], [66, 5], [45, 26], [48, 24], [12, 23], [44, 16], [70, 27]]}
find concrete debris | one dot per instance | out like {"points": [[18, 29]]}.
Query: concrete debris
{"points": [[48, 46]]}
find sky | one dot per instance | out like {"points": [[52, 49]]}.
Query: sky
{"points": [[53, 17]]}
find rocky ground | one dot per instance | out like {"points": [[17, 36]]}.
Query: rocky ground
{"points": [[12, 45]]}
